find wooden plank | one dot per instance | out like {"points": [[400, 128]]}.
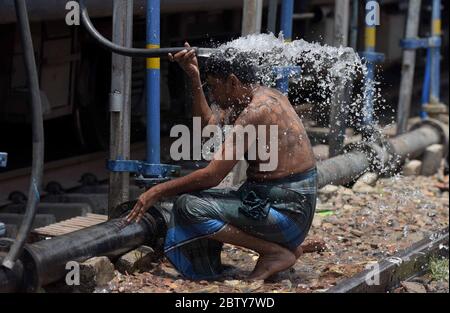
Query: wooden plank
{"points": [[97, 216], [71, 225]]}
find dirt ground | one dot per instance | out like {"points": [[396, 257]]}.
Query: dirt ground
{"points": [[359, 226]]}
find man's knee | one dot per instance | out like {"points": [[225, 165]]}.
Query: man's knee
{"points": [[192, 206], [185, 205]]}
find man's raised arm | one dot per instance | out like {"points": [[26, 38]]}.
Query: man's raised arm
{"points": [[188, 62]]}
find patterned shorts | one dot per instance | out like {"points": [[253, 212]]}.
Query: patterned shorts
{"points": [[279, 211]]}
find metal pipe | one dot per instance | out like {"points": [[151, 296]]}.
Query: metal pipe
{"points": [[120, 102], [272, 16], [413, 143], [45, 261], [283, 75], [342, 169], [408, 68], [38, 135], [153, 83], [252, 17], [345, 168], [341, 22], [342, 94], [354, 25], [10, 281], [287, 12], [131, 52]]}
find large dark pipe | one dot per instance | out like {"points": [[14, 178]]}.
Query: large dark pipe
{"points": [[342, 169], [38, 135], [47, 259], [10, 281], [347, 167], [44, 262], [413, 143], [131, 52]]}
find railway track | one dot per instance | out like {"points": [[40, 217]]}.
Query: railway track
{"points": [[406, 265]]}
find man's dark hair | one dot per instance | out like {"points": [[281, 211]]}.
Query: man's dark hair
{"points": [[222, 64]]}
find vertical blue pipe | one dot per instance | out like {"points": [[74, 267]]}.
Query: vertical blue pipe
{"points": [[436, 53], [283, 75], [426, 86], [287, 12], [282, 79], [153, 83]]}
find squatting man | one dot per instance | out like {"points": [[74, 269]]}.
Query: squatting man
{"points": [[272, 211]]}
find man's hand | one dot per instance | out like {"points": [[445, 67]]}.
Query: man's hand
{"points": [[144, 202], [188, 61]]}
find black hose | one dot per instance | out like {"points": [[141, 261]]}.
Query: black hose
{"points": [[38, 135], [130, 52]]}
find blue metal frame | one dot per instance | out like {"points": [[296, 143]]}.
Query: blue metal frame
{"points": [[3, 159], [144, 169], [436, 54], [420, 43], [282, 76], [432, 79], [150, 171], [153, 83], [287, 13]]}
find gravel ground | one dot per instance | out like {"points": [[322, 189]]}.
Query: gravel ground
{"points": [[359, 225]]}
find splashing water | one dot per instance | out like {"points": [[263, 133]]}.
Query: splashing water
{"points": [[325, 72], [269, 51]]}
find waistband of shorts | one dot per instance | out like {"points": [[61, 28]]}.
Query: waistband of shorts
{"points": [[311, 173]]}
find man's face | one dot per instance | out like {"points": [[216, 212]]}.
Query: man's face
{"points": [[220, 91]]}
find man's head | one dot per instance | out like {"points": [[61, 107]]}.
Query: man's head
{"points": [[229, 76]]}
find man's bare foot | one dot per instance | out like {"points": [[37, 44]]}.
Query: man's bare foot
{"points": [[272, 263]]}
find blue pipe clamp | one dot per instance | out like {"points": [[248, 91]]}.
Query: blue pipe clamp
{"points": [[147, 174]]}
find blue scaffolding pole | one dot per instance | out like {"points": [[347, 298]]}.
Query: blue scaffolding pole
{"points": [[436, 54], [432, 80], [150, 171], [153, 83], [287, 15]]}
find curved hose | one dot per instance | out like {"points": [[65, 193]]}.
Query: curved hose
{"points": [[131, 52], [38, 135]]}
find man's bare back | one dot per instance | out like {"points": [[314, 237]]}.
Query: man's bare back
{"points": [[294, 148]]}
